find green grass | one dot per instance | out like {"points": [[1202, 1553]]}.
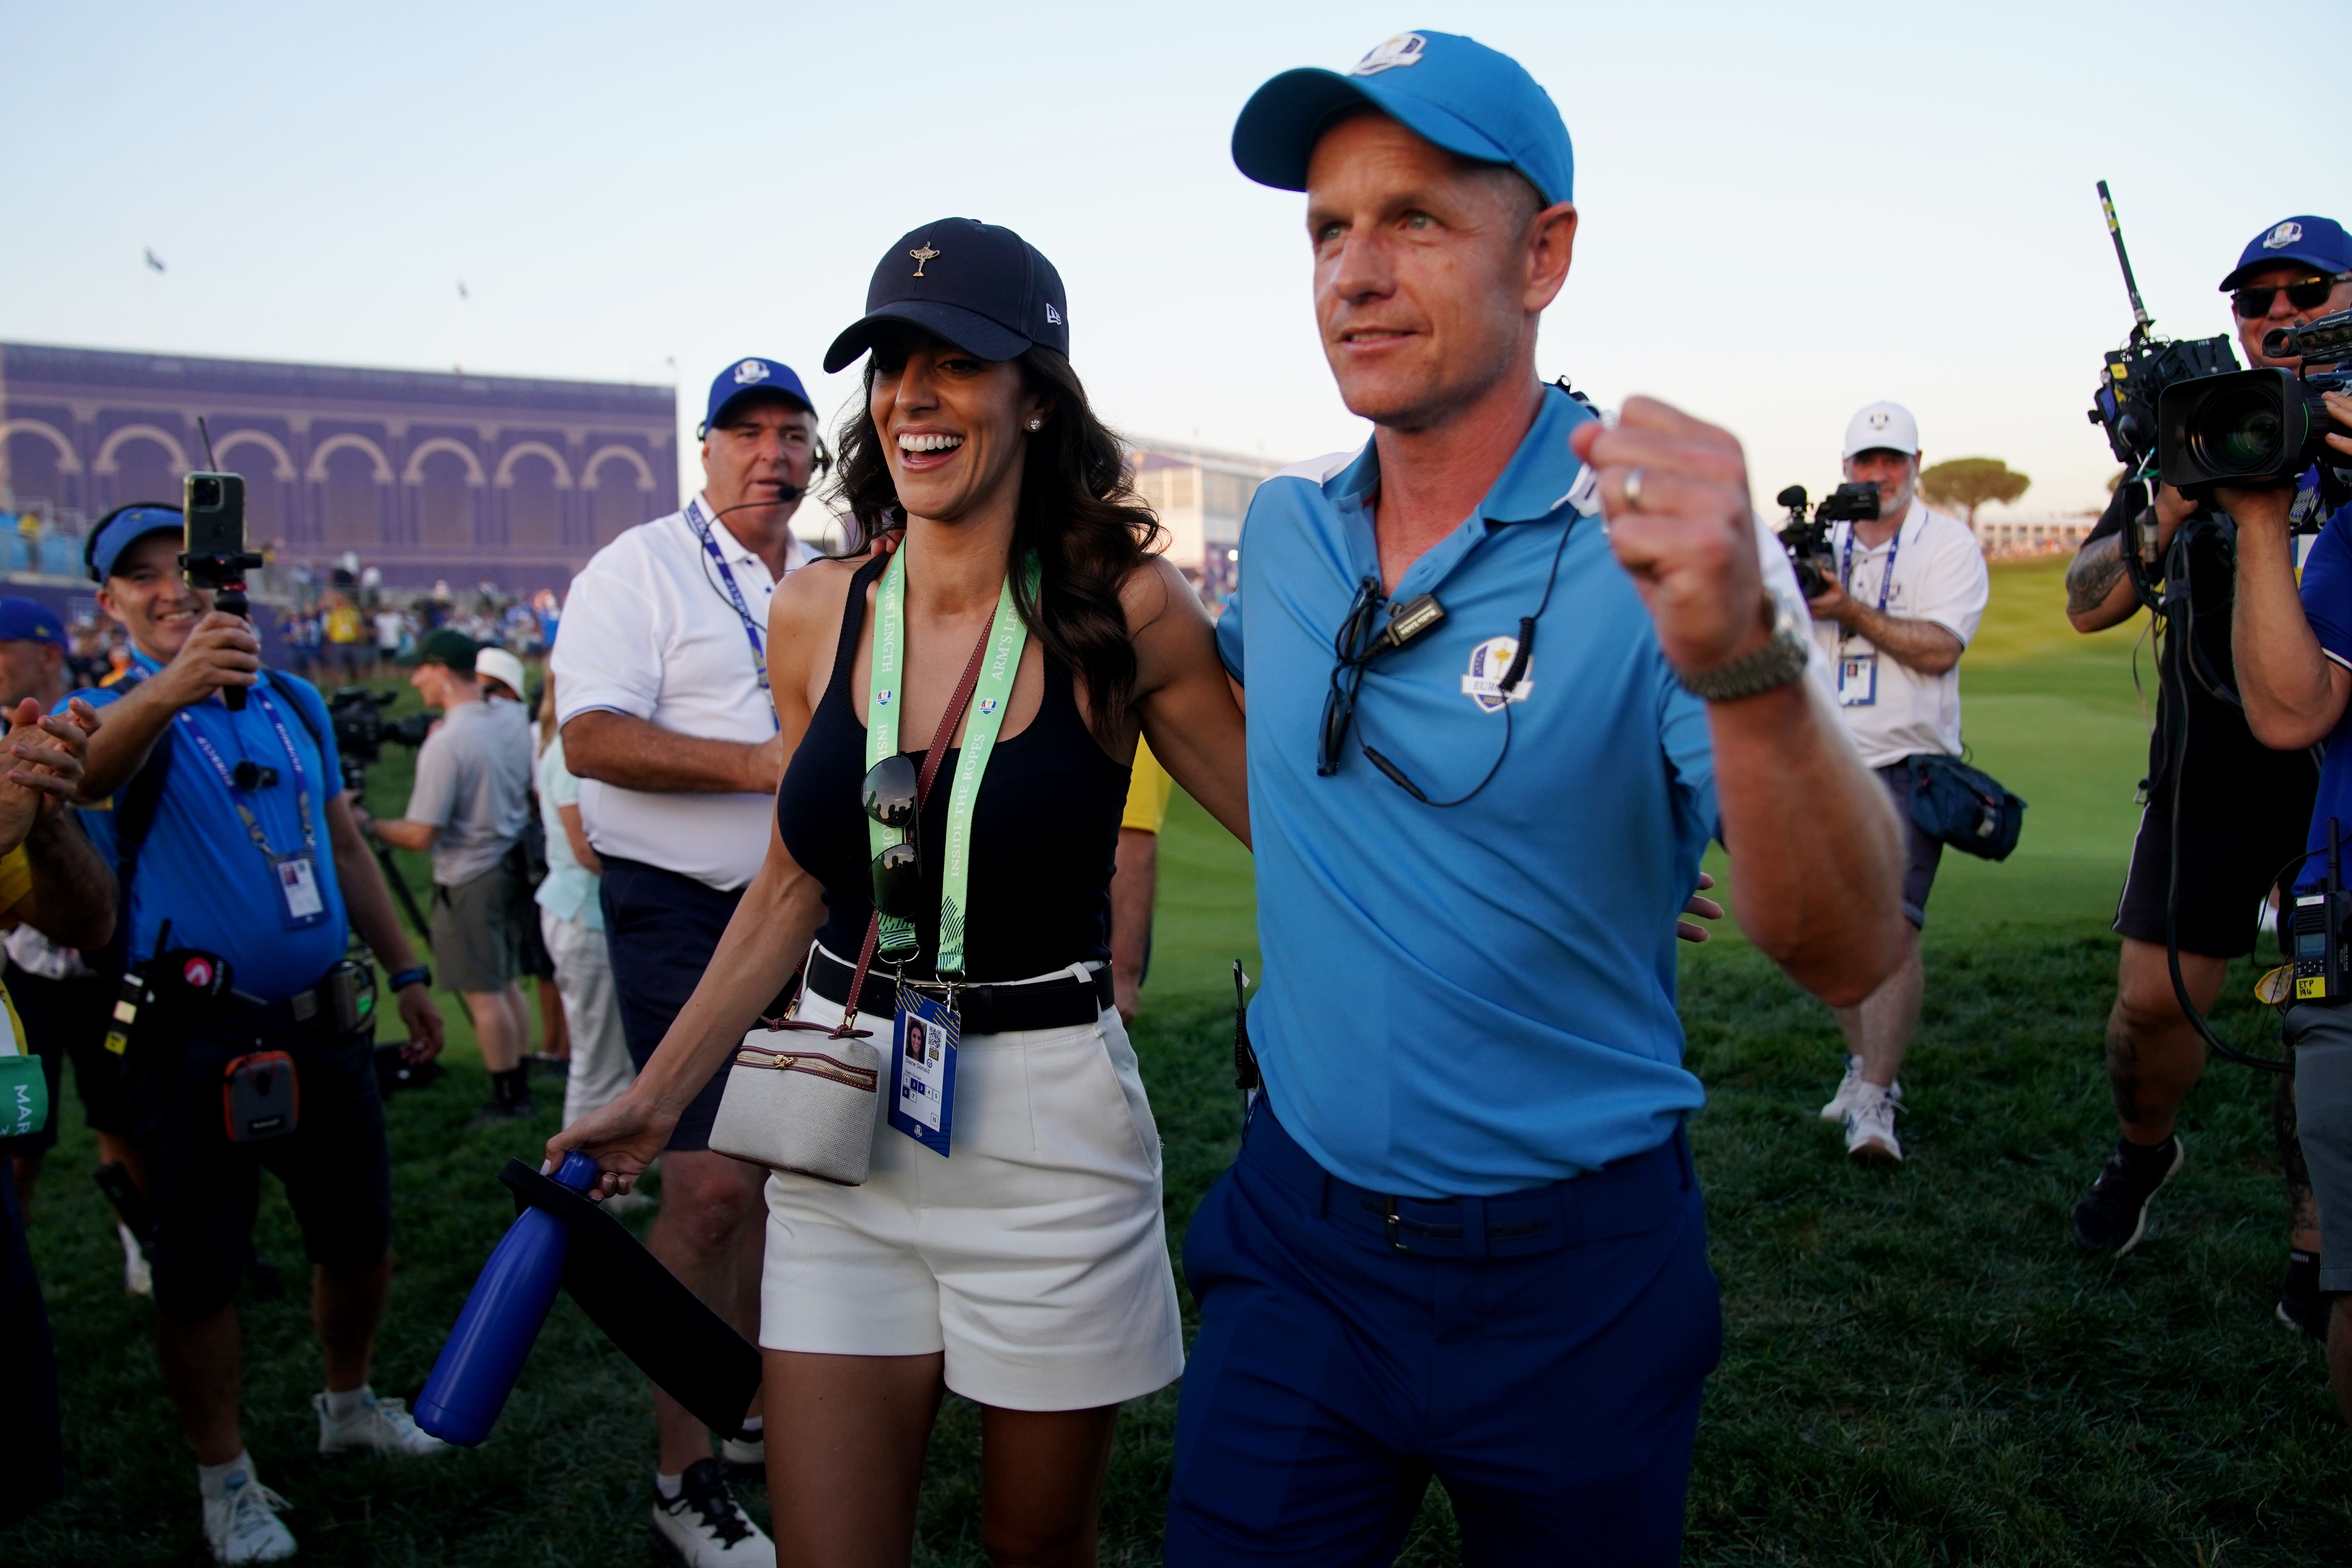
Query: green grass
{"points": [[1918, 1369]]}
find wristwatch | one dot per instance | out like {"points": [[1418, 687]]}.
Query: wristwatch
{"points": [[1769, 667], [415, 975]]}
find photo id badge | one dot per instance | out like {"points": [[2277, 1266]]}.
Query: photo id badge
{"points": [[297, 886], [1857, 680], [922, 1071]]}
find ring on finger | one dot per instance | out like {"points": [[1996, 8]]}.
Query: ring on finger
{"points": [[1634, 490]]}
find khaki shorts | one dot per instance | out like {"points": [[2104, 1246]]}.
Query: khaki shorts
{"points": [[477, 939], [1035, 1255]]}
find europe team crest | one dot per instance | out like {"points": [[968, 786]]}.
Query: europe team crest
{"points": [[1489, 661]]}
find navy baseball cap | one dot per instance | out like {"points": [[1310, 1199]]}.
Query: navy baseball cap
{"points": [[118, 530], [985, 289], [29, 620], [752, 378], [2318, 243], [1455, 91]]}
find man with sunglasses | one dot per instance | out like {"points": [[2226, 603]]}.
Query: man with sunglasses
{"points": [[1506, 672], [662, 690], [2239, 808]]}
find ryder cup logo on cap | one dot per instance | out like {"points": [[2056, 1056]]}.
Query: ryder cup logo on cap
{"points": [[1405, 49], [2286, 234], [752, 378], [1883, 428], [1474, 102], [2318, 243], [750, 370]]}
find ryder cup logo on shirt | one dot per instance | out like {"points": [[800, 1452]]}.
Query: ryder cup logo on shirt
{"points": [[1405, 49], [750, 370], [2286, 234], [1489, 662]]}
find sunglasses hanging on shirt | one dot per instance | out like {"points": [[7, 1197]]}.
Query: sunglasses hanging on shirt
{"points": [[1363, 638]]}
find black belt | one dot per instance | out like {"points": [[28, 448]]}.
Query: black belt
{"points": [[1624, 1197], [981, 1009], [307, 1006]]}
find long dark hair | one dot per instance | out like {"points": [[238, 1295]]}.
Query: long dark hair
{"points": [[1079, 511]]}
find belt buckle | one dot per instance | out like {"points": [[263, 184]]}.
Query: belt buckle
{"points": [[303, 1004], [1389, 1222]]}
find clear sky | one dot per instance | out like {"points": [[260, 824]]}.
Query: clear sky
{"points": [[1787, 210]]}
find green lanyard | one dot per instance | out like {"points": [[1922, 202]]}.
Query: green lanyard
{"points": [[990, 699]]}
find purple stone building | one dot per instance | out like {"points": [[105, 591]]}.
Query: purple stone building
{"points": [[463, 478]]}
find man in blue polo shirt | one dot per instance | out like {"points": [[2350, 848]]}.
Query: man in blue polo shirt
{"points": [[1506, 673], [239, 857], [2292, 648]]}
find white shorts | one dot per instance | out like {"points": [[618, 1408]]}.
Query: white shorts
{"points": [[1034, 1256]]}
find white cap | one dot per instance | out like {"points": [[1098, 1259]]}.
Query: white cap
{"points": [[499, 665], [1887, 425]]}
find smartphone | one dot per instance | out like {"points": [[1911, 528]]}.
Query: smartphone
{"points": [[215, 540]]}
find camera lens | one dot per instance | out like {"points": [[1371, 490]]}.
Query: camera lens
{"points": [[2238, 433], [209, 492]]}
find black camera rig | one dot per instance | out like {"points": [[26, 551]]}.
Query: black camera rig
{"points": [[1807, 538], [362, 732], [2262, 426], [2135, 376]]}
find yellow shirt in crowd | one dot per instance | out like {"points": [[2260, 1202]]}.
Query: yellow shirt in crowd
{"points": [[1147, 792]]}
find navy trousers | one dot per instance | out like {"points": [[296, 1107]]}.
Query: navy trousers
{"points": [[1540, 1355]]}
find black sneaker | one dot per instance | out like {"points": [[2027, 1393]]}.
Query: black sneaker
{"points": [[2113, 1216], [704, 1527], [2299, 1304]]}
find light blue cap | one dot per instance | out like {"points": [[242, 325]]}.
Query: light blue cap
{"points": [[1455, 91]]}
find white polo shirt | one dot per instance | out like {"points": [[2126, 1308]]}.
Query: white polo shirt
{"points": [[1893, 710], [650, 630]]}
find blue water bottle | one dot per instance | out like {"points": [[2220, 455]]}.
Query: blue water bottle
{"points": [[502, 1319]]}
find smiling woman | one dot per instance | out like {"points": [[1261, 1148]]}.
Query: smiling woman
{"points": [[957, 709]]}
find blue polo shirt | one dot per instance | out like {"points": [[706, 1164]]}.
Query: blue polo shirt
{"points": [[200, 869], [2327, 605], [1471, 999]]}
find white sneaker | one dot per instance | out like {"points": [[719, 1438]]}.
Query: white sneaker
{"points": [[1843, 1101], [241, 1525], [1870, 1128], [377, 1426], [138, 1279], [703, 1527]]}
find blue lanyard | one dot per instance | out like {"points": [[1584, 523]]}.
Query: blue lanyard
{"points": [[1885, 579], [293, 761], [702, 526]]}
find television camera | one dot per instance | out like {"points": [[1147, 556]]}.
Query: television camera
{"points": [[1807, 540], [2261, 426]]}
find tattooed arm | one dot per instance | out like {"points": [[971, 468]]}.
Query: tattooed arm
{"points": [[2098, 585]]}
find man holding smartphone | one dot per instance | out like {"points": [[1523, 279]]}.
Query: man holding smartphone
{"points": [[241, 874]]}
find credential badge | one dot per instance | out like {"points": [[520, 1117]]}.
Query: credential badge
{"points": [[2286, 234], [1483, 682], [750, 370], [1405, 49]]}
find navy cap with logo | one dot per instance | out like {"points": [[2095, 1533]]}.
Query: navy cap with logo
{"points": [[1455, 91], [982, 288], [118, 530], [29, 620], [752, 378], [2315, 242]]}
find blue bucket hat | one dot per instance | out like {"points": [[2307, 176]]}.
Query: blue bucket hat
{"points": [[1455, 91]]}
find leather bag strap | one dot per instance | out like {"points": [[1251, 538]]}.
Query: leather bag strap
{"points": [[948, 720]]}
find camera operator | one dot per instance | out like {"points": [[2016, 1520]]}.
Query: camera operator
{"points": [[237, 859], [2239, 808], [2294, 649], [1910, 587], [468, 804]]}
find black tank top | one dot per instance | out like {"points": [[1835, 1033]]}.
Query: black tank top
{"points": [[1044, 828]]}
